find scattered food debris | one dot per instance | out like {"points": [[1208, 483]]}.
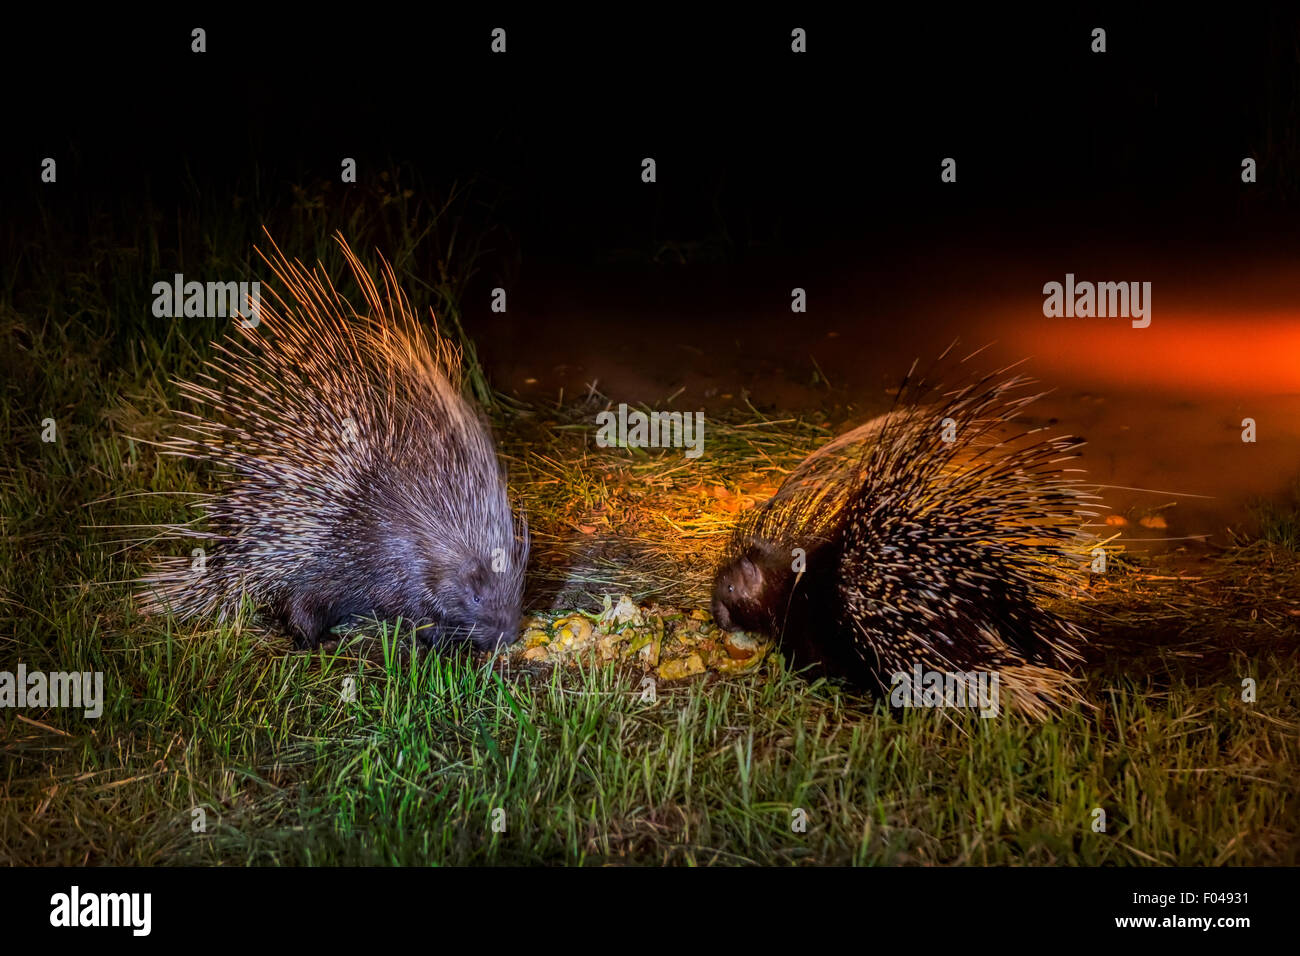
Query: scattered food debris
{"points": [[674, 644]]}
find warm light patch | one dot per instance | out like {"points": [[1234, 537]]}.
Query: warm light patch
{"points": [[1221, 351]]}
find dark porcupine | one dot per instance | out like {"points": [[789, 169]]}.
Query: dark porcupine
{"points": [[357, 481], [921, 551]]}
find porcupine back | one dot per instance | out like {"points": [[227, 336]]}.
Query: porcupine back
{"points": [[356, 478], [924, 551], [953, 551]]}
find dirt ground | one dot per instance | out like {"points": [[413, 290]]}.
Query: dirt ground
{"points": [[1161, 407]]}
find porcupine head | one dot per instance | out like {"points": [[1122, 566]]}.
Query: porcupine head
{"points": [[433, 545], [479, 594], [772, 590], [749, 586]]}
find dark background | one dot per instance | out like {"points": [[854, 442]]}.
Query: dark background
{"points": [[785, 152]]}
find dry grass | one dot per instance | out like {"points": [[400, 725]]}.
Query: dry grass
{"points": [[647, 523]]}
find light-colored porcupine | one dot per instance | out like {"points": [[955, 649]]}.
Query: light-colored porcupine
{"points": [[356, 479], [935, 535]]}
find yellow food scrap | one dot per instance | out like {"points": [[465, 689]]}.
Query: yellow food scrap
{"points": [[571, 631], [536, 637], [681, 667]]}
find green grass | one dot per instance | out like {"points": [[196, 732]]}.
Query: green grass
{"points": [[290, 769], [410, 771]]}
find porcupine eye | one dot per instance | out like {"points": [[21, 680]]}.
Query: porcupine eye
{"points": [[473, 593]]}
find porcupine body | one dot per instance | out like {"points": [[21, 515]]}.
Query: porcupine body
{"points": [[357, 480], [916, 550]]}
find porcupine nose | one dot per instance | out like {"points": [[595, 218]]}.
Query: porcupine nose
{"points": [[720, 615], [499, 634]]}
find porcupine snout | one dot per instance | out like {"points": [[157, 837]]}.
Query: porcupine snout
{"points": [[496, 627], [720, 615], [488, 629], [500, 594]]}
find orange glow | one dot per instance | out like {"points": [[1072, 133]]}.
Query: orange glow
{"points": [[1204, 351]]}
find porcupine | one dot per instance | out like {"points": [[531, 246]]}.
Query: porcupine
{"points": [[920, 551], [358, 481]]}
